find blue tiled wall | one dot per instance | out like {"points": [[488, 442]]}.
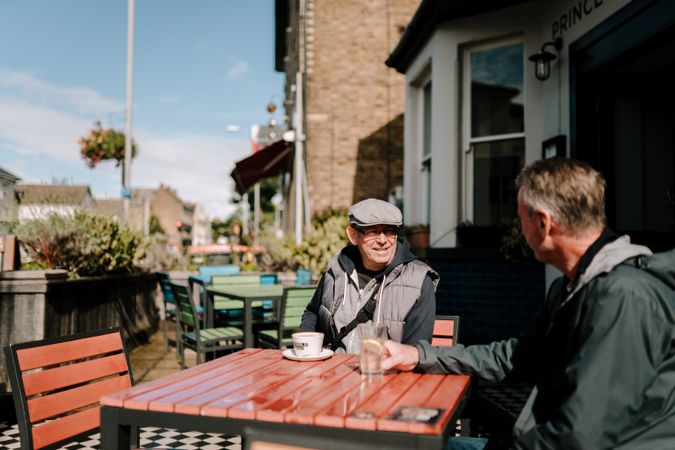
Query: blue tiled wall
{"points": [[493, 298]]}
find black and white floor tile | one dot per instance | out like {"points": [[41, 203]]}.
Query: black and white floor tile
{"points": [[150, 437]]}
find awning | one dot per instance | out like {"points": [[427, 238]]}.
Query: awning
{"points": [[266, 162]]}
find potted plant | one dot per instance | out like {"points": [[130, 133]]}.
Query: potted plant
{"points": [[418, 236], [103, 144]]}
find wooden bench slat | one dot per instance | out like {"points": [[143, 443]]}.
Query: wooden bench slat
{"points": [[182, 392], [444, 327], [143, 400], [73, 374], [324, 370], [365, 416], [452, 387], [418, 395], [40, 408], [118, 398], [50, 432], [334, 415], [247, 387], [442, 342], [47, 355]]}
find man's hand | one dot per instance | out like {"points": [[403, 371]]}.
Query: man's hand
{"points": [[400, 356]]}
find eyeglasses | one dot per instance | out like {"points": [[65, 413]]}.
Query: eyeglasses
{"points": [[375, 232]]}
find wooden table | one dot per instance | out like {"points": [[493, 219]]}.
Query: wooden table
{"points": [[260, 395], [248, 295]]}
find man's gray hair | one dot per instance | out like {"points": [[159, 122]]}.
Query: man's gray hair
{"points": [[572, 191]]}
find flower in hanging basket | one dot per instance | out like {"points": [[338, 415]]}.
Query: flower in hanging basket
{"points": [[102, 144]]}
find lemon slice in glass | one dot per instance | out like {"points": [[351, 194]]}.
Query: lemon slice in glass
{"points": [[372, 346]]}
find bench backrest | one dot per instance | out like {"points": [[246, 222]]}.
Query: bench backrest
{"points": [[235, 280], [185, 307], [446, 331], [207, 272], [57, 384], [165, 285], [293, 304]]}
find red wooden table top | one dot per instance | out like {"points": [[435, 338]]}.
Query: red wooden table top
{"points": [[262, 385]]}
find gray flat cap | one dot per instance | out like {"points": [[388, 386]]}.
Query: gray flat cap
{"points": [[372, 211]]}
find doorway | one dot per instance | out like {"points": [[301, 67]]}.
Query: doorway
{"points": [[624, 122]]}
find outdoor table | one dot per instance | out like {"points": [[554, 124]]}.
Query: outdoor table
{"points": [[262, 396], [248, 295]]}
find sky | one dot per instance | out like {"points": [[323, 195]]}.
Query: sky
{"points": [[200, 67]]}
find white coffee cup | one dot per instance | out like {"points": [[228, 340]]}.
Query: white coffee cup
{"points": [[307, 343]]}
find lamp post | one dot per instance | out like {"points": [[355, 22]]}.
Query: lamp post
{"points": [[126, 179]]}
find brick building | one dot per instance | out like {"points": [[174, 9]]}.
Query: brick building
{"points": [[352, 108]]}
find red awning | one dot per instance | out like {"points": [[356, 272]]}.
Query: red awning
{"points": [[266, 162]]}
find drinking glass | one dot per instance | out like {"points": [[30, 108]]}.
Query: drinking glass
{"points": [[371, 337]]}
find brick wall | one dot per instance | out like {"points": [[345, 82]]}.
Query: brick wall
{"points": [[494, 299], [354, 103]]}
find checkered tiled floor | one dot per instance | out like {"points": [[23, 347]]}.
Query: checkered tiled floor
{"points": [[150, 437]]}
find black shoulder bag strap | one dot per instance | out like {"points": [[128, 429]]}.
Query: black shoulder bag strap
{"points": [[363, 316]]}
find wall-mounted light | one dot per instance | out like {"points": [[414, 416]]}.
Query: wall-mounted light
{"points": [[542, 60]]}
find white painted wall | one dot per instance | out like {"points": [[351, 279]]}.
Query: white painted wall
{"points": [[546, 103]]}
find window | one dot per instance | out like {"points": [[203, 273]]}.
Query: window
{"points": [[493, 131]]}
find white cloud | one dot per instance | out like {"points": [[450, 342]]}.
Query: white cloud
{"points": [[81, 99], [237, 70], [197, 166], [43, 141]]}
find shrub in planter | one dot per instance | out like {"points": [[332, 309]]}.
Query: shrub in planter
{"points": [[82, 243], [326, 239], [160, 256]]}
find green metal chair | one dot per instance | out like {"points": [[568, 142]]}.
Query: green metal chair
{"points": [[169, 309], [293, 304], [193, 336], [231, 311]]}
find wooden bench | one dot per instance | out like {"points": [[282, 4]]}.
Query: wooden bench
{"points": [[57, 383], [446, 331]]}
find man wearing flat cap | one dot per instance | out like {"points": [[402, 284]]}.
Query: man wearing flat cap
{"points": [[377, 279]]}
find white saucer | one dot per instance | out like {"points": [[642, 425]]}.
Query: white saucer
{"points": [[325, 354]]}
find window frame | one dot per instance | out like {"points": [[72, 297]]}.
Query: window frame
{"points": [[468, 141]]}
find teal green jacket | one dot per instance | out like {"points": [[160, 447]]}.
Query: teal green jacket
{"points": [[601, 358]]}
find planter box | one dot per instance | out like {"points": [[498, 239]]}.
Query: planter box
{"points": [[38, 304], [495, 299]]}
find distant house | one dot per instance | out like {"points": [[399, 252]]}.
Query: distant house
{"points": [[8, 206], [201, 226], [39, 200], [173, 215], [109, 207], [184, 223]]}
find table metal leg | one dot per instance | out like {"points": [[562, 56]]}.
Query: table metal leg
{"points": [[114, 435], [248, 327]]}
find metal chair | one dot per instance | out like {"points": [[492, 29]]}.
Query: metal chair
{"points": [[169, 309], [293, 304], [57, 383], [193, 336]]}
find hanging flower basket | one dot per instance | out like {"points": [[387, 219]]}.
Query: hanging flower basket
{"points": [[103, 144]]}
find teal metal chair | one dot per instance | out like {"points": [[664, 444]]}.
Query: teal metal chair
{"points": [[207, 272], [293, 304], [193, 336], [169, 309]]}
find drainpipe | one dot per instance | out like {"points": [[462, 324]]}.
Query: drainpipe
{"points": [[298, 160]]}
